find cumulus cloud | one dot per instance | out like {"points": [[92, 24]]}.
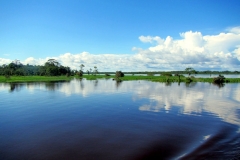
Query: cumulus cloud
{"points": [[196, 50], [192, 49], [5, 61], [33, 61]]}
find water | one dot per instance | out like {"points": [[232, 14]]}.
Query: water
{"points": [[103, 119]]}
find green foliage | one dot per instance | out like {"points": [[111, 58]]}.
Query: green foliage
{"points": [[150, 74], [190, 71], [188, 80], [50, 68], [166, 74], [219, 79], [80, 73], [34, 78], [119, 74]]}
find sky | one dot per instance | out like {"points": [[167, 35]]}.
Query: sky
{"points": [[136, 35]]}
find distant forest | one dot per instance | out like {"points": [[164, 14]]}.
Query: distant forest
{"points": [[50, 68], [54, 68]]}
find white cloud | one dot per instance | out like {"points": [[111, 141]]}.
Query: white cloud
{"points": [[193, 49], [234, 30], [5, 61], [149, 39], [198, 98], [197, 50], [33, 61]]}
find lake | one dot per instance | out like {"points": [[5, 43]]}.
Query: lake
{"points": [[102, 119]]}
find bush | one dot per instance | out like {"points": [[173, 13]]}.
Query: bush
{"points": [[188, 80], [219, 79], [80, 73], [150, 74], [166, 74], [119, 74]]}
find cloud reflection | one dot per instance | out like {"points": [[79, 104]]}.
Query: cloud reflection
{"points": [[192, 99]]}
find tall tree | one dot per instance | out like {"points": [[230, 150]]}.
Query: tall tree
{"points": [[95, 70], [81, 69], [190, 71]]}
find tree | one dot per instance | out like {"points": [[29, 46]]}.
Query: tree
{"points": [[219, 80], [52, 67], [81, 67], [119, 74], [190, 70], [52, 62], [81, 70], [90, 70], [12, 67], [95, 70]]}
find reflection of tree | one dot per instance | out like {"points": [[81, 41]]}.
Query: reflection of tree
{"points": [[81, 83], [12, 87], [52, 86], [95, 83], [168, 83], [220, 85], [191, 84], [15, 87], [219, 81], [118, 83]]}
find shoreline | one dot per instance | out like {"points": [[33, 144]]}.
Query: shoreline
{"points": [[22, 79]]}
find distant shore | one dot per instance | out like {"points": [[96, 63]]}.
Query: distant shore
{"points": [[22, 79]]}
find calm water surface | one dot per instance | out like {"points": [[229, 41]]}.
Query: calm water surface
{"points": [[103, 119]]}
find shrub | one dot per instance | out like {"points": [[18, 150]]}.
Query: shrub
{"points": [[80, 73], [166, 74], [219, 79], [188, 80], [119, 74], [150, 74]]}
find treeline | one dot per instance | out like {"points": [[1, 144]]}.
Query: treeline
{"points": [[50, 68], [54, 68], [182, 72]]}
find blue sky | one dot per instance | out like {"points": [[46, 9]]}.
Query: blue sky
{"points": [[94, 32]]}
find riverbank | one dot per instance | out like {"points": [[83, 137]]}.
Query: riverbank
{"points": [[20, 79], [177, 79]]}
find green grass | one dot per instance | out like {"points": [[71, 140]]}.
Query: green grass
{"points": [[94, 77], [125, 78], [176, 79], [34, 79]]}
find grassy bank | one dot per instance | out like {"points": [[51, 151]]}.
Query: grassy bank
{"points": [[160, 78], [177, 79], [12, 79], [125, 78]]}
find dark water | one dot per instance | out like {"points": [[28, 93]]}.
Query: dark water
{"points": [[129, 120]]}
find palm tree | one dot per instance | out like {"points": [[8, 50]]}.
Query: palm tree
{"points": [[81, 67], [95, 70]]}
